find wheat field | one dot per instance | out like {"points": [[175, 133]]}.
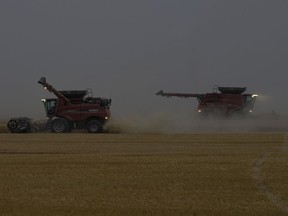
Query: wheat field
{"points": [[143, 174], [3, 128]]}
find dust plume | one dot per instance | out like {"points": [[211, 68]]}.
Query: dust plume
{"points": [[193, 123], [157, 123]]}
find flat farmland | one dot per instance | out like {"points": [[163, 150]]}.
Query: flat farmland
{"points": [[144, 174]]}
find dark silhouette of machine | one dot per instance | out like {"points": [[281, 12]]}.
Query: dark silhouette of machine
{"points": [[20, 125], [223, 101], [75, 109], [26, 125]]}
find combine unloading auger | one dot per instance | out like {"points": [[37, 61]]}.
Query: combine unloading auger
{"points": [[184, 95]]}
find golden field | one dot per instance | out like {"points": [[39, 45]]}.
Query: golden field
{"points": [[148, 174], [3, 128]]}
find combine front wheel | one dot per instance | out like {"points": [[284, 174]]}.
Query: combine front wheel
{"points": [[94, 126], [60, 125]]}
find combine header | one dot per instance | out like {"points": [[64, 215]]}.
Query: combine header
{"points": [[223, 101], [75, 110]]}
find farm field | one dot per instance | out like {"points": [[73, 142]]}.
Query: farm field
{"points": [[3, 128], [144, 174]]}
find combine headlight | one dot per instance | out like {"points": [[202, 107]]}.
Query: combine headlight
{"points": [[254, 95]]}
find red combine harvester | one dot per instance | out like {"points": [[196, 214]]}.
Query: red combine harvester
{"points": [[223, 101], [75, 110]]}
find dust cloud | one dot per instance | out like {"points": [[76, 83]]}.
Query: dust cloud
{"points": [[165, 123]]}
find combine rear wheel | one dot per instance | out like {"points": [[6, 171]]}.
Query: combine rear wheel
{"points": [[94, 126], [60, 125]]}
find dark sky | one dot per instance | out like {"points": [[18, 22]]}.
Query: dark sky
{"points": [[128, 50]]}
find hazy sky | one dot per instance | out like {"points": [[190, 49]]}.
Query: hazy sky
{"points": [[127, 50]]}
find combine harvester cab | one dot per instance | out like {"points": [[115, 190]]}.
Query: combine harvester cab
{"points": [[75, 109], [223, 101]]}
